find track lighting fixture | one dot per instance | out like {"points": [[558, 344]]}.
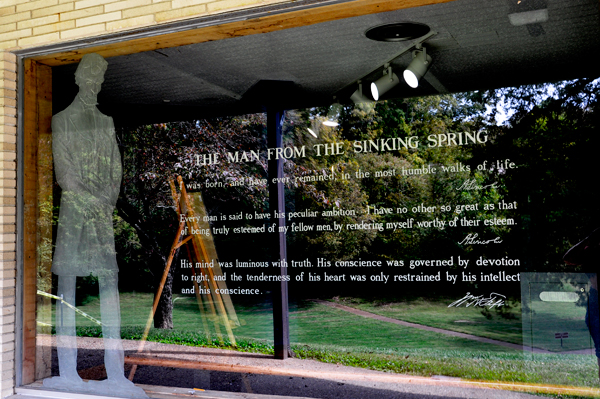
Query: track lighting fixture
{"points": [[414, 34], [417, 68], [385, 83], [358, 97]]}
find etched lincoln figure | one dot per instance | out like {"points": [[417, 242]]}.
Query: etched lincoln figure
{"points": [[87, 164]]}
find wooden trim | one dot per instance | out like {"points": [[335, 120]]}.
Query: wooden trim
{"points": [[45, 208], [37, 188], [266, 24], [29, 223]]}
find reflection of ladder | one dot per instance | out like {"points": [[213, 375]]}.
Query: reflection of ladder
{"points": [[203, 252], [191, 214]]}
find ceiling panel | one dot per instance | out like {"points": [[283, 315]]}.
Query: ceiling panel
{"points": [[476, 48]]}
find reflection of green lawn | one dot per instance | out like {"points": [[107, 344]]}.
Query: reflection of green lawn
{"points": [[318, 324], [552, 317], [436, 313], [256, 319], [548, 318], [310, 323], [332, 335]]}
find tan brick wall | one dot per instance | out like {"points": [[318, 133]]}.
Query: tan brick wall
{"points": [[8, 186], [27, 23]]}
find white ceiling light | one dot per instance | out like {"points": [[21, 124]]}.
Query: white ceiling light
{"points": [[417, 68], [528, 17], [332, 115], [385, 83], [315, 125]]}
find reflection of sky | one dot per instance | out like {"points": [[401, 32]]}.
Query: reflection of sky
{"points": [[504, 110], [502, 116]]}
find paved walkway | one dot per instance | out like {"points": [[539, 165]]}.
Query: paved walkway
{"points": [[170, 371]]}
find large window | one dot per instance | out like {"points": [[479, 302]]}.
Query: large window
{"points": [[424, 236]]}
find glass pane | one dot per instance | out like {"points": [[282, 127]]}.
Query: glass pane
{"points": [[182, 234], [423, 236], [556, 311], [406, 229]]}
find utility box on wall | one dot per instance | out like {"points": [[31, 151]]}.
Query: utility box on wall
{"points": [[554, 308]]}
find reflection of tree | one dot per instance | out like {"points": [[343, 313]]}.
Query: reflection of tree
{"points": [[390, 119], [152, 154], [554, 140], [44, 249]]}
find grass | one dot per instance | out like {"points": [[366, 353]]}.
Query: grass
{"points": [[571, 370], [435, 313], [472, 365], [317, 324], [310, 323], [335, 336], [548, 318]]}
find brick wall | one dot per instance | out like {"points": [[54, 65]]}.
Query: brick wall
{"points": [[26, 23], [29, 23], [8, 185]]}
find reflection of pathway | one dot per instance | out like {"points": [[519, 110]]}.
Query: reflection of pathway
{"points": [[200, 372], [440, 330]]}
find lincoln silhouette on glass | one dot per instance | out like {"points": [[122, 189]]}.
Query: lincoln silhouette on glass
{"points": [[88, 168]]}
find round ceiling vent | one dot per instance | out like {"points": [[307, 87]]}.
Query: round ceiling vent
{"points": [[397, 32]]}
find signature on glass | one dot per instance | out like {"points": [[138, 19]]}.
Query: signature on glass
{"points": [[471, 184], [472, 239], [490, 302]]}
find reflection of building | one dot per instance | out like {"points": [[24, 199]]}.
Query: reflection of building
{"points": [[554, 309], [170, 60]]}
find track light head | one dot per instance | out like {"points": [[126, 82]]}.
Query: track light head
{"points": [[384, 84], [417, 68], [358, 97]]}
